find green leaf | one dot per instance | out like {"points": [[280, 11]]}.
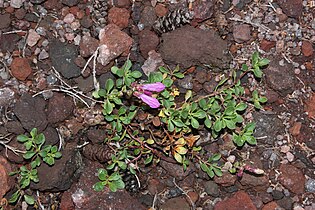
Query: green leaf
{"points": [[215, 157], [250, 126], [122, 165], [115, 176], [257, 105], [244, 67], [111, 166], [98, 186], [217, 171], [257, 72], [255, 58], [241, 106], [102, 174], [170, 126], [136, 74], [54, 149], [217, 125], [40, 139], [127, 65], [58, 155], [120, 184], [181, 150], [251, 140], [178, 157], [114, 69], [28, 145], [22, 138], [29, 155], [168, 82], [263, 99], [49, 160], [109, 84], [207, 122], [15, 196], [179, 75], [155, 77], [210, 173], [43, 153], [188, 95], [203, 167], [119, 82], [194, 123], [108, 107], [112, 186], [29, 199], [163, 69], [36, 162], [230, 124], [200, 114], [148, 160], [263, 62], [178, 123], [33, 132], [25, 182], [203, 104], [128, 81]]}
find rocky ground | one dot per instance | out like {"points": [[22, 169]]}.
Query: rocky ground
{"points": [[46, 80]]}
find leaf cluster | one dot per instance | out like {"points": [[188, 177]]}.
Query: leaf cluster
{"points": [[36, 153], [113, 181]]}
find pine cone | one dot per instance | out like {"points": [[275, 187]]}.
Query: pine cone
{"points": [[99, 14], [173, 20], [96, 152]]}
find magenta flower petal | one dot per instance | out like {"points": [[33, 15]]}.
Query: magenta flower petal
{"points": [[152, 102], [156, 87]]}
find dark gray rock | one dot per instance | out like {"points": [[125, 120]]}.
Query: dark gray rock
{"points": [[267, 125], [70, 3], [189, 46], [63, 58], [5, 21], [280, 78], [30, 112], [37, 1], [51, 136], [8, 42], [59, 108], [62, 174], [212, 188]]}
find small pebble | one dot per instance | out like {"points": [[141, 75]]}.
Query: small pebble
{"points": [[297, 71], [310, 185], [290, 156]]}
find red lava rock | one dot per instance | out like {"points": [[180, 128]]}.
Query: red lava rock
{"points": [[292, 8], [53, 4], [295, 129], [307, 48], [148, 41], [113, 42], [20, 68], [5, 181], [176, 170], [226, 180], [267, 45], [59, 108], [190, 46], [176, 203], [88, 45], [119, 17], [292, 178], [9, 9], [160, 10], [271, 206], [70, 3], [155, 186], [239, 200], [310, 107], [66, 202], [194, 196], [203, 10], [258, 183], [20, 13], [5, 21], [241, 33]]}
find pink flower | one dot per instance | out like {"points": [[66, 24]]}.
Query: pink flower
{"points": [[154, 87], [152, 102], [144, 92]]}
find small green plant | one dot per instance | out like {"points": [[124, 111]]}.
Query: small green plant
{"points": [[36, 153], [138, 143], [113, 181], [211, 166]]}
